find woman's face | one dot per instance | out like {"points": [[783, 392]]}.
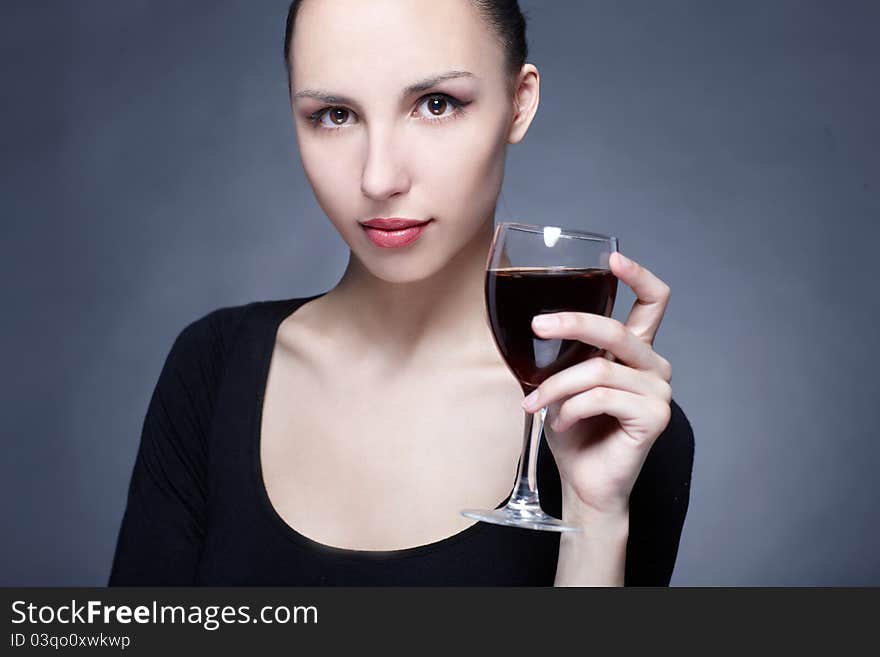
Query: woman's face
{"points": [[379, 149]]}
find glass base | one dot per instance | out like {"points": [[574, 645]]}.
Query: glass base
{"points": [[526, 518]]}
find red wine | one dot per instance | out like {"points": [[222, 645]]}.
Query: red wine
{"points": [[515, 295]]}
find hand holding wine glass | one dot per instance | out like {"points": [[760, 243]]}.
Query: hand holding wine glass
{"points": [[607, 412], [599, 380]]}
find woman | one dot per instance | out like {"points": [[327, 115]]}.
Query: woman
{"points": [[333, 439]]}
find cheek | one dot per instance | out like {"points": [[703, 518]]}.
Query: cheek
{"points": [[333, 172], [463, 170]]}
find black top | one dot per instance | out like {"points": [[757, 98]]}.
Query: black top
{"points": [[198, 512]]}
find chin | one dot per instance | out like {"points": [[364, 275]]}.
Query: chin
{"points": [[403, 275], [403, 270]]}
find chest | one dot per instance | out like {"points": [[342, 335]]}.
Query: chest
{"points": [[357, 463]]}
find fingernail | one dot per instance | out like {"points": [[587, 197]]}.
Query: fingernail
{"points": [[626, 262], [545, 321], [529, 401]]}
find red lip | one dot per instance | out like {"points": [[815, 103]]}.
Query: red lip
{"points": [[394, 223], [392, 239]]}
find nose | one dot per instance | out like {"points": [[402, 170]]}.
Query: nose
{"points": [[384, 171]]}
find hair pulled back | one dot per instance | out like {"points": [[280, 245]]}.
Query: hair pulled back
{"points": [[503, 17]]}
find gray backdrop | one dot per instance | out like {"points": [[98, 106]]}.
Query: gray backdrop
{"points": [[150, 175]]}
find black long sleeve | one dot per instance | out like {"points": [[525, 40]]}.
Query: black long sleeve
{"points": [[659, 503], [163, 527]]}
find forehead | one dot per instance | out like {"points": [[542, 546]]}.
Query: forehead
{"points": [[393, 42]]}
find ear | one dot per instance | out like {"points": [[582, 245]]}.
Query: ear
{"points": [[526, 98]]}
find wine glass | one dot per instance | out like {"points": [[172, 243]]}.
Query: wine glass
{"points": [[532, 270]]}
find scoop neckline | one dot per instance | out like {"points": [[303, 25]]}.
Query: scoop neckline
{"points": [[287, 308]]}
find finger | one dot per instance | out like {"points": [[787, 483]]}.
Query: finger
{"points": [[639, 416], [606, 333], [596, 372], [652, 296]]}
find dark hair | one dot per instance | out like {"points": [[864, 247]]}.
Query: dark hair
{"points": [[503, 16]]}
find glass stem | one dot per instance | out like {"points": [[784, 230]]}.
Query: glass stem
{"points": [[525, 491]]}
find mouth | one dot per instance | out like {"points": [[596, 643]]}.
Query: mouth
{"points": [[395, 223], [393, 238]]}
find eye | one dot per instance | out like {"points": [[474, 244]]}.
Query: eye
{"points": [[337, 116], [439, 106]]}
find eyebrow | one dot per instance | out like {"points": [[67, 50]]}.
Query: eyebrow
{"points": [[421, 85]]}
